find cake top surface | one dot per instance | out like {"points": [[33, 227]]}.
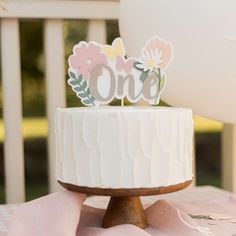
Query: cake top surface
{"points": [[124, 109]]}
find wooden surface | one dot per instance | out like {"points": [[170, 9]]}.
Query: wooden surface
{"points": [[97, 30], [63, 9], [229, 157], [125, 206], [126, 192], [125, 210]]}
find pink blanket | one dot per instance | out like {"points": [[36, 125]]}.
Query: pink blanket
{"points": [[63, 214]]}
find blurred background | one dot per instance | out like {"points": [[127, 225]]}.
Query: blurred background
{"points": [[208, 132]]}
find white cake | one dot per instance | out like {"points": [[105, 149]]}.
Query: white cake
{"points": [[124, 147]]}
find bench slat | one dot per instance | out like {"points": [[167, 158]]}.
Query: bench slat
{"points": [[12, 111], [229, 157], [55, 86], [61, 9]]}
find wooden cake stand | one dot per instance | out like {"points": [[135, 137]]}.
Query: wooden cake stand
{"points": [[125, 206]]}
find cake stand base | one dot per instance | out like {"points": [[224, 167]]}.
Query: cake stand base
{"points": [[125, 210], [125, 206]]}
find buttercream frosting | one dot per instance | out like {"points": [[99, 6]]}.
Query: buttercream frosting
{"points": [[124, 147]]}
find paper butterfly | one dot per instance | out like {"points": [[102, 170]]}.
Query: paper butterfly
{"points": [[116, 49], [124, 64]]}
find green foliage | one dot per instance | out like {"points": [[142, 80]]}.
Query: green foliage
{"points": [[135, 65], [112, 31], [162, 82], [80, 87], [143, 76], [74, 32], [31, 33]]}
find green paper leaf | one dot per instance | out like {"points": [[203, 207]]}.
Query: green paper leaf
{"points": [[163, 80], [83, 95], [143, 76], [77, 89], [72, 82], [88, 90], [79, 86], [84, 85], [135, 65], [72, 74], [80, 78], [88, 101], [75, 81]]}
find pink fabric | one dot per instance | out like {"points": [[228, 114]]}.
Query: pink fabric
{"points": [[55, 214], [59, 214]]}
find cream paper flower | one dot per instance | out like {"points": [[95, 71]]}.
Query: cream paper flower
{"points": [[149, 61]]}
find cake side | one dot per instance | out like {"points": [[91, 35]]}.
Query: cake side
{"points": [[124, 147]]}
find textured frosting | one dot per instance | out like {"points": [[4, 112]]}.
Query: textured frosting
{"points": [[124, 147]]}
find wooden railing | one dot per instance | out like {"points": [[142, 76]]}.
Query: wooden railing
{"points": [[53, 13], [229, 157]]}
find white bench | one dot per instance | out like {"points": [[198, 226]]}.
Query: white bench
{"points": [[53, 13]]}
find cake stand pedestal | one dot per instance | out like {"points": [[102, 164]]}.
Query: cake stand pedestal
{"points": [[125, 206]]}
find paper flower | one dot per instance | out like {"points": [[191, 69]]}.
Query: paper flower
{"points": [[149, 61], [155, 55], [85, 57], [163, 47]]}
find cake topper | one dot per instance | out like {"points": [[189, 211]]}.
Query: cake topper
{"points": [[99, 73]]}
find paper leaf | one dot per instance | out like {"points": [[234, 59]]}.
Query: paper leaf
{"points": [[143, 76], [88, 101], [72, 75], [135, 66], [163, 81], [79, 86]]}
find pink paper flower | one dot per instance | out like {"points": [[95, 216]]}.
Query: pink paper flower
{"points": [[163, 48], [85, 57]]}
